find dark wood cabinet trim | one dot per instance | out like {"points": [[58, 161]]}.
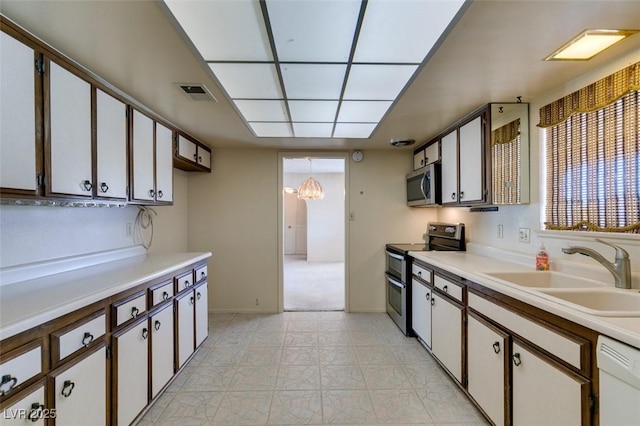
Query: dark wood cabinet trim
{"points": [[8, 356], [55, 339], [188, 164]]}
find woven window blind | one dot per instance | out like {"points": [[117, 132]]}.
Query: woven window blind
{"points": [[593, 166], [505, 163]]}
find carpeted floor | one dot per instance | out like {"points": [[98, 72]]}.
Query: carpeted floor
{"points": [[313, 286]]}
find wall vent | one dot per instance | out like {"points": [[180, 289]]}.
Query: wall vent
{"points": [[196, 91]]}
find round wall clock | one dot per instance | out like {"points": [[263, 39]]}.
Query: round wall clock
{"points": [[357, 156]]}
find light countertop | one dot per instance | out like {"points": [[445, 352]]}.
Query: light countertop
{"points": [[473, 267], [29, 303]]}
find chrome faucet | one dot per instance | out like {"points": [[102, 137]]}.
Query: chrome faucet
{"points": [[620, 268]]}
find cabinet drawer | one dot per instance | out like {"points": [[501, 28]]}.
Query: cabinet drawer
{"points": [[185, 281], [452, 289], [19, 366], [130, 308], [432, 153], [201, 273], [76, 337], [161, 293], [421, 272], [27, 407], [563, 347]]}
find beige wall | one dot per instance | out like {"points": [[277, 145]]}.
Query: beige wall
{"points": [[170, 225], [234, 214]]}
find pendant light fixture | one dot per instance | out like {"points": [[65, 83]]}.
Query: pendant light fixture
{"points": [[310, 189]]}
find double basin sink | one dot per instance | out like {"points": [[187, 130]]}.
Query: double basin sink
{"points": [[583, 294]]}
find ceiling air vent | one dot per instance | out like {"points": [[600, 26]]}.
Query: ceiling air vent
{"points": [[400, 143], [197, 91]]}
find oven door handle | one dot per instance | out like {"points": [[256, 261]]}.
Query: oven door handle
{"points": [[394, 255], [395, 282]]}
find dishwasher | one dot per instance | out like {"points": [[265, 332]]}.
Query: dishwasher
{"points": [[619, 366]]}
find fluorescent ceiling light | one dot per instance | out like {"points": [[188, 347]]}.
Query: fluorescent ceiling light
{"points": [[313, 31], [260, 110], [289, 66], [403, 31], [313, 111], [312, 130], [271, 130], [587, 44], [363, 111], [206, 23]]}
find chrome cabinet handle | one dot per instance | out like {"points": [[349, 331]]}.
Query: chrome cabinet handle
{"points": [[453, 195], [461, 195], [104, 187], [160, 194], [152, 193], [496, 347], [445, 289], [87, 339], [67, 388], [35, 413], [88, 186], [165, 295], [157, 325], [516, 359], [134, 312], [7, 379], [427, 296], [145, 333]]}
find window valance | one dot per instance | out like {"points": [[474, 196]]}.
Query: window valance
{"points": [[598, 95]]}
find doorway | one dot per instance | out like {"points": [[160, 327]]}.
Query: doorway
{"points": [[313, 243]]}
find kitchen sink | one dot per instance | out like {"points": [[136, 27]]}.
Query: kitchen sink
{"points": [[544, 279], [605, 302]]}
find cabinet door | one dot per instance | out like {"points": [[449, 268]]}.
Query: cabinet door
{"points": [[185, 319], [202, 314], [161, 349], [204, 157], [131, 349], [29, 409], [421, 311], [143, 161], [449, 153], [432, 153], [471, 161], [164, 164], [69, 145], [80, 391], [187, 149], [446, 337], [543, 393], [486, 349], [418, 160], [18, 117], [111, 146]]}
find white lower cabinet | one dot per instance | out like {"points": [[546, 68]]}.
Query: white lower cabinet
{"points": [[161, 324], [80, 390], [28, 410], [202, 315], [185, 319], [486, 373], [543, 393], [421, 311], [131, 349], [446, 334]]}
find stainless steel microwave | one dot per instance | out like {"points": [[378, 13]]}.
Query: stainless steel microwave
{"points": [[423, 186]]}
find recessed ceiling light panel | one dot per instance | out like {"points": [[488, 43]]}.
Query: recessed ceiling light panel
{"points": [[313, 111], [363, 111], [261, 110], [271, 130], [354, 130], [312, 130], [313, 81], [248, 81], [377, 82], [588, 44]]}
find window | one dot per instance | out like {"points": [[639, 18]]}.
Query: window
{"points": [[593, 156]]}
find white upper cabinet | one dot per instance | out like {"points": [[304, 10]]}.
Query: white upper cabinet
{"points": [[69, 144], [18, 116], [471, 161], [187, 149], [164, 164], [142, 162], [450, 167], [111, 146]]}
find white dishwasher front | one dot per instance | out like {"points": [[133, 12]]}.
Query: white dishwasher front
{"points": [[619, 366]]}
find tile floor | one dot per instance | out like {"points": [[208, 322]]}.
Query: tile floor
{"points": [[300, 368]]}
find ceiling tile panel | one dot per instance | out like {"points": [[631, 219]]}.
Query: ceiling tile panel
{"points": [[377, 82], [259, 110], [271, 130], [252, 81], [312, 130], [313, 111], [354, 130], [313, 81], [362, 111]]}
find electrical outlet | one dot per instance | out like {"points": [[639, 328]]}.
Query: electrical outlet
{"points": [[500, 231], [523, 235], [129, 230]]}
